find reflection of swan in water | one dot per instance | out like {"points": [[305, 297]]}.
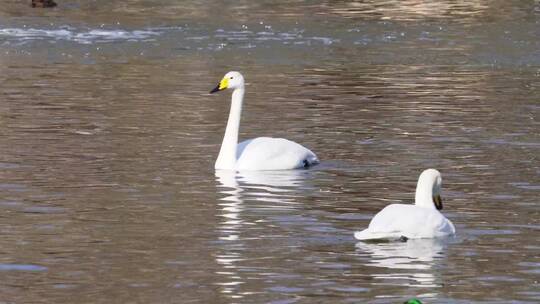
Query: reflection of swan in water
{"points": [[411, 260], [232, 204], [268, 186], [274, 187], [274, 179]]}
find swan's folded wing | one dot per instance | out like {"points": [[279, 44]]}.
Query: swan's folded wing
{"points": [[409, 221], [266, 153], [388, 224]]}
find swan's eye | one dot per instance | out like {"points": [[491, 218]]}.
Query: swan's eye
{"points": [[232, 77]]}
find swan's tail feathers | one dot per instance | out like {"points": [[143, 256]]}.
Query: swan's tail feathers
{"points": [[366, 235], [310, 161], [363, 235]]}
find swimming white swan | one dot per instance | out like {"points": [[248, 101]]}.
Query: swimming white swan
{"points": [[261, 153], [421, 220]]}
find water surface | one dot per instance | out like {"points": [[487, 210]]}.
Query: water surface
{"points": [[108, 137]]}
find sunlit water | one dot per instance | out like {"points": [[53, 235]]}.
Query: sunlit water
{"points": [[108, 137]]}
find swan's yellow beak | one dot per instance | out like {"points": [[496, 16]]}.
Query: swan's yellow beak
{"points": [[223, 84], [437, 200]]}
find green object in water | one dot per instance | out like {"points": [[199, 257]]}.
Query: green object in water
{"points": [[412, 301]]}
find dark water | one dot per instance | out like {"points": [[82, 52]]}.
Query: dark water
{"points": [[108, 139]]}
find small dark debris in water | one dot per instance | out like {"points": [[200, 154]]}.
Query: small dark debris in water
{"points": [[403, 238], [43, 3]]}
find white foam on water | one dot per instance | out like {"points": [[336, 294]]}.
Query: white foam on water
{"points": [[80, 36], [191, 39]]}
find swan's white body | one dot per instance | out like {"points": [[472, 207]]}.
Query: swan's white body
{"points": [[267, 153], [410, 221], [261, 153], [421, 220]]}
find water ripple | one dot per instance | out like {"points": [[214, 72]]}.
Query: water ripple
{"points": [[22, 267]]}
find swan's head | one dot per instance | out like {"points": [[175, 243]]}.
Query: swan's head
{"points": [[232, 80], [428, 189]]}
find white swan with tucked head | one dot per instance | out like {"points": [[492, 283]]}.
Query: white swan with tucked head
{"points": [[421, 220], [261, 153]]}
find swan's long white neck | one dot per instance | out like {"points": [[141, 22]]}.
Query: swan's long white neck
{"points": [[227, 154], [424, 192]]}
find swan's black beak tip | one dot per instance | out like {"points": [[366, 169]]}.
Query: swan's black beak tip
{"points": [[216, 89]]}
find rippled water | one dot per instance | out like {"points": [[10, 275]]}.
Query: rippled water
{"points": [[108, 137]]}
